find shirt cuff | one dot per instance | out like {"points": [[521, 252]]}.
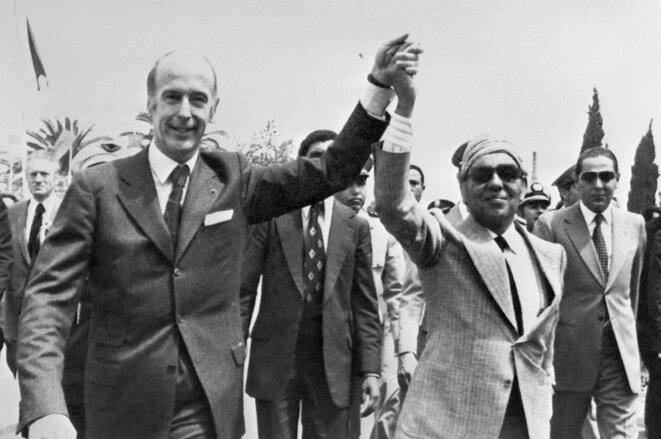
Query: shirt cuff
{"points": [[397, 137], [376, 99]]}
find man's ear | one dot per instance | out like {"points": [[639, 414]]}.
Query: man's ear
{"points": [[212, 112], [151, 105]]}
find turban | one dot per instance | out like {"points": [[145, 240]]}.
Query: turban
{"points": [[481, 146]]}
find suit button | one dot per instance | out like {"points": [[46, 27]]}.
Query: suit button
{"points": [[177, 271], [180, 319], [508, 383], [600, 318], [171, 368]]}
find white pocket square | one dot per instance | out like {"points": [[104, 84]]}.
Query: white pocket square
{"points": [[218, 217]]}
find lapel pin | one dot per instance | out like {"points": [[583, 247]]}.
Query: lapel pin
{"points": [[213, 191]]}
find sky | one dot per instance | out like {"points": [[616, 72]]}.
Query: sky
{"points": [[520, 70]]}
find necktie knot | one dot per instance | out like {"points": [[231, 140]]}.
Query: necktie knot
{"points": [[502, 243], [316, 210], [598, 219], [179, 175], [40, 209]]}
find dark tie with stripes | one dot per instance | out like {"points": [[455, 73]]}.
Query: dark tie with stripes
{"points": [[172, 213], [600, 244]]}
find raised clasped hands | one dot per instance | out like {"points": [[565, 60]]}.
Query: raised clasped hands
{"points": [[395, 65]]}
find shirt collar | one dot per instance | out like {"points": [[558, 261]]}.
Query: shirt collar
{"points": [[589, 215], [513, 238], [328, 205], [162, 165], [49, 203]]}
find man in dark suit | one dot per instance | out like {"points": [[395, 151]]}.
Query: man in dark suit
{"points": [[29, 219], [306, 341], [159, 236], [596, 349]]}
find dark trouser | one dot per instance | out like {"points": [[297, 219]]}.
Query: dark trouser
{"points": [[307, 393], [192, 415], [514, 425], [616, 404], [653, 401]]}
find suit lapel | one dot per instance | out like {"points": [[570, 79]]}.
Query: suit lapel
{"points": [[621, 235], [340, 243], [490, 263], [290, 231], [578, 232], [204, 188], [138, 196]]}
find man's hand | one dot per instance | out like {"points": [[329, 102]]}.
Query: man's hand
{"points": [[55, 426], [407, 365], [371, 391]]}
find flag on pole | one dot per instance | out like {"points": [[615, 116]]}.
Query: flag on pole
{"points": [[38, 66]]}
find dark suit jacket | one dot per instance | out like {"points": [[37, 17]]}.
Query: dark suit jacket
{"points": [[350, 318], [20, 269], [589, 297], [147, 295]]}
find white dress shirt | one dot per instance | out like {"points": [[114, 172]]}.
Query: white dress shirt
{"points": [[526, 276], [51, 204]]}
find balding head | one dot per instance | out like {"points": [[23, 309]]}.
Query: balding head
{"points": [[180, 57]]}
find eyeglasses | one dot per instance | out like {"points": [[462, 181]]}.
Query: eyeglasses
{"points": [[483, 174], [591, 177]]}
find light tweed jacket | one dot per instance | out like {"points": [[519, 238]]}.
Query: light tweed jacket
{"points": [[464, 378]]}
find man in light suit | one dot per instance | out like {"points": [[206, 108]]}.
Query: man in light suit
{"points": [[29, 223], [166, 349], [306, 347], [486, 370], [597, 354]]}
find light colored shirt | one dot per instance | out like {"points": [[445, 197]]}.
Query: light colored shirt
{"points": [[526, 276], [606, 226], [324, 219], [51, 203], [161, 167]]}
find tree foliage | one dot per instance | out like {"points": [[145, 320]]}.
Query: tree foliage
{"points": [[61, 136], [594, 132], [266, 147], [644, 175]]}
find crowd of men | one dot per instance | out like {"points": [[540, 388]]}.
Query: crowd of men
{"points": [[129, 305]]}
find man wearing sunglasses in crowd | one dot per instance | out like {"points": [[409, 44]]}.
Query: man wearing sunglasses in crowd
{"points": [[596, 350], [492, 291]]}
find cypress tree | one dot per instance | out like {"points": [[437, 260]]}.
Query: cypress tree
{"points": [[644, 175], [594, 132]]}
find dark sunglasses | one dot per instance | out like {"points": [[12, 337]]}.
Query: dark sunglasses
{"points": [[483, 174], [591, 177]]}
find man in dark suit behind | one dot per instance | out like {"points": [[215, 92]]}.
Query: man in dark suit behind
{"points": [[29, 220], [166, 349], [304, 343]]}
